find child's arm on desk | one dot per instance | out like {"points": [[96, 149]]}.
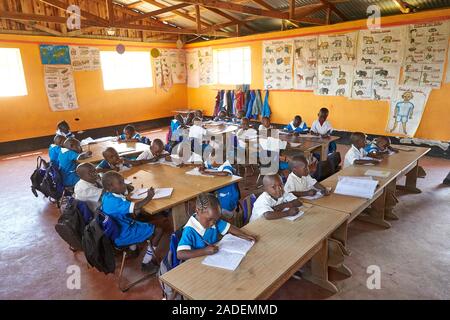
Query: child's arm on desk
{"points": [[85, 155], [203, 170], [140, 204], [291, 204], [308, 193], [278, 214], [242, 234], [322, 189], [363, 161], [189, 254]]}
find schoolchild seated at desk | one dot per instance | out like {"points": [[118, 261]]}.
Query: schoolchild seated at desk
{"points": [[111, 161]]}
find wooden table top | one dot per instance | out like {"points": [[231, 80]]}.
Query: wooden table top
{"points": [[306, 137], [281, 245], [122, 148], [351, 204], [403, 159], [185, 187]]}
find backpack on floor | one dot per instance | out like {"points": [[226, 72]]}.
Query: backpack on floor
{"points": [[38, 175], [52, 185], [98, 248], [75, 215], [169, 262]]}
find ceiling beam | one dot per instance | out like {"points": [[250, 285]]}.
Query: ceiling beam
{"points": [[328, 16], [334, 9], [291, 9], [36, 26], [264, 4], [110, 7], [231, 18], [84, 14], [229, 6], [197, 16], [155, 13], [134, 5]]}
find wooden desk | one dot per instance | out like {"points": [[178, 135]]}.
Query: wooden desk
{"points": [[310, 143], [283, 247], [122, 148], [408, 163], [354, 205], [186, 187]]}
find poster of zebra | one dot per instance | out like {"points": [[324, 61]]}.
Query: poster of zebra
{"points": [[305, 63], [334, 80], [375, 82]]}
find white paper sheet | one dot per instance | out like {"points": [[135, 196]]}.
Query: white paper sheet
{"points": [[377, 173], [293, 218], [361, 188], [162, 193], [235, 244], [196, 172], [139, 194]]}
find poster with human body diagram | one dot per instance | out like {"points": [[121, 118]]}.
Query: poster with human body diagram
{"points": [[305, 63], [277, 64]]}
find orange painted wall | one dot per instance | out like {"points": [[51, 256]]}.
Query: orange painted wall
{"points": [[30, 116], [345, 114]]}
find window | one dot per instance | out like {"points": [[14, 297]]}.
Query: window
{"points": [[12, 77], [126, 71], [232, 66]]}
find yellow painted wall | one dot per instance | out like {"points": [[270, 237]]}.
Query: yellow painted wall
{"points": [[345, 114], [31, 116]]}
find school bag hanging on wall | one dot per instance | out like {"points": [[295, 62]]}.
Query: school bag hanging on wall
{"points": [[75, 215]]}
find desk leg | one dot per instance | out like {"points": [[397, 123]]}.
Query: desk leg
{"points": [[375, 214], [411, 181], [340, 234], [179, 216], [336, 257], [319, 269], [324, 151], [391, 201]]}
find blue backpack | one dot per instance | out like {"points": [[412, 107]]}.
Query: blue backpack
{"points": [[169, 262], [51, 185], [109, 226]]}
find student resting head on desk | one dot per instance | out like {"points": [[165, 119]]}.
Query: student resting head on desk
{"points": [[153, 154], [111, 161], [299, 182], [55, 149], [123, 212], [63, 129], [68, 161], [129, 134], [379, 147], [275, 202], [356, 154], [203, 228]]}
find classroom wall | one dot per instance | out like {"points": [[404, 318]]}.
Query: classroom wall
{"points": [[30, 116], [345, 114]]}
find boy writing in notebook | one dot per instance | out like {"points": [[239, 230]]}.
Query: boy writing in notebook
{"points": [[202, 230], [131, 232], [299, 182], [297, 126], [356, 154], [129, 134], [55, 149], [70, 153], [275, 202]]}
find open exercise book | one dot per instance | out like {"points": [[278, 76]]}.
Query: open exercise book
{"points": [[160, 193], [361, 187], [231, 252], [318, 194]]}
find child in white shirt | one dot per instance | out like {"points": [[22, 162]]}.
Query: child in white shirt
{"points": [[88, 189], [275, 202], [356, 154]]}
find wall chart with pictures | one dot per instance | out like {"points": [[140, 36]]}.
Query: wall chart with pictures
{"points": [[205, 63], [305, 63], [177, 63], [163, 72], [84, 58], [375, 82], [337, 48], [334, 80], [277, 64], [60, 87], [193, 75]]}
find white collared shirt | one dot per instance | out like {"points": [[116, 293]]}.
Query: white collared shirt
{"points": [[295, 183], [321, 129], [146, 155], [265, 203], [353, 154], [89, 193]]}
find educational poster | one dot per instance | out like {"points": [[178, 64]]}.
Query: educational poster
{"points": [[163, 71], [407, 106], [305, 63], [177, 63], [334, 80], [205, 62], [384, 46], [337, 48], [375, 82], [51, 54], [60, 87], [277, 64], [193, 76], [427, 42], [424, 75], [447, 77], [84, 58]]}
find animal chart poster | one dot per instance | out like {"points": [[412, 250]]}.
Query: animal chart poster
{"points": [[337, 48], [375, 82], [177, 64], [427, 42], [334, 80], [163, 71], [205, 63], [305, 63], [407, 106], [384, 46], [60, 87], [84, 58], [277, 64], [193, 76], [425, 75]]}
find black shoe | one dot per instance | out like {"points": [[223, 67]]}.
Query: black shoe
{"points": [[150, 267]]}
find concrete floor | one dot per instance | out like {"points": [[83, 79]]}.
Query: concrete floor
{"points": [[414, 255]]}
